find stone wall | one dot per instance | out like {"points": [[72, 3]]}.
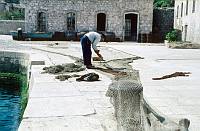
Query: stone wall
{"points": [[14, 62], [163, 22], [86, 12], [188, 23], [8, 25]]}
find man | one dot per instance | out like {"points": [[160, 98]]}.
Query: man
{"points": [[91, 38]]}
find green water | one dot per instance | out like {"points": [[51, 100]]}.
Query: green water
{"points": [[13, 99]]}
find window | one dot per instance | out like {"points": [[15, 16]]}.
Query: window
{"points": [[185, 35], [181, 9], [186, 10], [41, 22], [193, 6], [177, 11], [71, 21]]}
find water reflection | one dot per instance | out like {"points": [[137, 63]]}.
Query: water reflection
{"points": [[9, 107]]}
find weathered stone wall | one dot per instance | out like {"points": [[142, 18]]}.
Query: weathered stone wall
{"points": [[14, 62], [86, 14], [191, 20], [163, 22], [7, 25]]}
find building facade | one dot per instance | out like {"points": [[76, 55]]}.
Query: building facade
{"points": [[126, 18], [186, 19]]}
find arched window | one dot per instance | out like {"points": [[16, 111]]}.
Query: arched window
{"points": [[101, 22], [193, 6], [41, 22], [177, 11], [71, 21], [186, 8], [181, 9]]}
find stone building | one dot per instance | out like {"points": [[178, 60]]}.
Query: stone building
{"points": [[186, 19], [126, 18]]}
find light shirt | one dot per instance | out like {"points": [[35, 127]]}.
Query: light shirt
{"points": [[94, 38]]}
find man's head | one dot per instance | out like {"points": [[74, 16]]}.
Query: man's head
{"points": [[103, 37]]}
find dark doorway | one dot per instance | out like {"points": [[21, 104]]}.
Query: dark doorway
{"points": [[101, 22], [131, 27]]}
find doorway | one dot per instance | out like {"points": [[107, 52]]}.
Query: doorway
{"points": [[131, 27], [101, 22]]}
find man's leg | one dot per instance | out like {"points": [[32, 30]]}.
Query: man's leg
{"points": [[86, 49]]}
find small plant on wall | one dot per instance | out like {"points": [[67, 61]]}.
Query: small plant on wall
{"points": [[174, 35], [163, 3]]}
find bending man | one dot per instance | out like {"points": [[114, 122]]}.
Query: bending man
{"points": [[91, 38]]}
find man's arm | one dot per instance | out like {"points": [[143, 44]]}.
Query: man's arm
{"points": [[94, 46], [95, 42]]}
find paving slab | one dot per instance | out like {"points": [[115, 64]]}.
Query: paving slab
{"points": [[58, 107], [62, 124], [54, 89]]}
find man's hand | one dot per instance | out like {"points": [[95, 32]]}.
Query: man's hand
{"points": [[99, 55], [97, 51]]}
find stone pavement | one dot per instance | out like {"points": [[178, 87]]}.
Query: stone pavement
{"points": [[68, 105], [89, 110], [177, 97]]}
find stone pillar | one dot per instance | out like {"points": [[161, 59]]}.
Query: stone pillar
{"points": [[127, 99]]}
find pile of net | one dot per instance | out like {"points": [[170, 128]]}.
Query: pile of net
{"points": [[64, 68]]}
